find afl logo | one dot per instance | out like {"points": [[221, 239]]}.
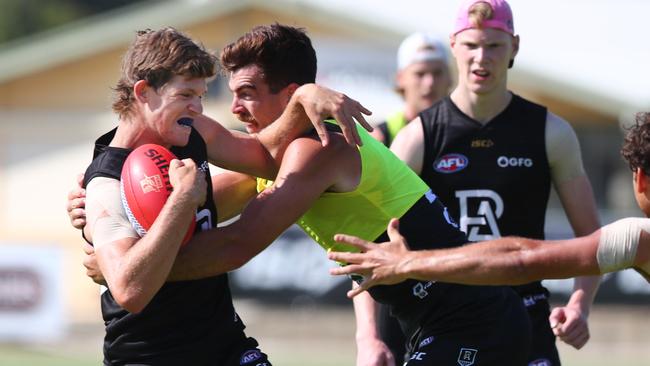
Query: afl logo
{"points": [[451, 163]]}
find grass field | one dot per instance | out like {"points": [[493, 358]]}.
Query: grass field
{"points": [[316, 336]]}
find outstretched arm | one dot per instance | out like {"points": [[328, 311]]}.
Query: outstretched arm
{"points": [[504, 261], [309, 106], [307, 170]]}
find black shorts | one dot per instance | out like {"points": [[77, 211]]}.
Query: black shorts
{"points": [[241, 351], [543, 351], [479, 344], [247, 353]]}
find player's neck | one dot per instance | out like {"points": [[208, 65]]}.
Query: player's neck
{"points": [[130, 135], [481, 107], [410, 112]]}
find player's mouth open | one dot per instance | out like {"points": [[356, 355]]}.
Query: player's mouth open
{"points": [[185, 121], [481, 73]]}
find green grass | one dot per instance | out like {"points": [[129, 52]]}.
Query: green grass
{"points": [[295, 337], [21, 356]]}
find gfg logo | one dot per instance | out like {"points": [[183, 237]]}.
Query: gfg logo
{"points": [[451, 163], [505, 162]]}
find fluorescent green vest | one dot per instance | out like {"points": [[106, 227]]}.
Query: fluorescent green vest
{"points": [[388, 188], [394, 123]]}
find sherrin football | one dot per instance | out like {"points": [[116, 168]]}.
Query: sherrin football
{"points": [[145, 186]]}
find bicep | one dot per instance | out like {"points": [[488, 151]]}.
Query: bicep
{"points": [[569, 177], [562, 150], [306, 172], [409, 145], [234, 150], [563, 259]]}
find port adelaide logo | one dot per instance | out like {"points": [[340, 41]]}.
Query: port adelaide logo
{"points": [[451, 163]]}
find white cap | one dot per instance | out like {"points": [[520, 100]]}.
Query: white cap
{"points": [[420, 47]]}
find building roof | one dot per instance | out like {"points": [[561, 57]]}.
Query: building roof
{"points": [[89, 35], [591, 53]]}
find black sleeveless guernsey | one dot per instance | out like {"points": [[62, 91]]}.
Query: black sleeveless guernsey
{"points": [[187, 322], [494, 177]]}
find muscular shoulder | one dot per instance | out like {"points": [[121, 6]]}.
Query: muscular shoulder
{"points": [[337, 164], [558, 129], [562, 149]]}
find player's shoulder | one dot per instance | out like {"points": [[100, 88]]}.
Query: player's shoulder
{"points": [[557, 126], [312, 143], [308, 153]]}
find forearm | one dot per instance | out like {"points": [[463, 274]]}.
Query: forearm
{"points": [[506, 261], [365, 310], [584, 292], [580, 207], [210, 253], [498, 262], [227, 248], [292, 123], [136, 271]]}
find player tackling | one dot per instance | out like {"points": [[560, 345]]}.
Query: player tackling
{"points": [[150, 321]]}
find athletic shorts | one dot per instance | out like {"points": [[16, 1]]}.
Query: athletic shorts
{"points": [[248, 354], [507, 344], [543, 351]]}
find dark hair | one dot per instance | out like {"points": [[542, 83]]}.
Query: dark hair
{"points": [[156, 57], [636, 148], [284, 54]]}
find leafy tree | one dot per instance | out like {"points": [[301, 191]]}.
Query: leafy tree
{"points": [[20, 18]]}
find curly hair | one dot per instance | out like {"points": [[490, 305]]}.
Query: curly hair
{"points": [[156, 57], [284, 53], [636, 148]]}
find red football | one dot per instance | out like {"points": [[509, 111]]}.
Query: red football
{"points": [[145, 186]]}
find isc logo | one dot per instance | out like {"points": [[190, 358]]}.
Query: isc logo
{"points": [[451, 163]]}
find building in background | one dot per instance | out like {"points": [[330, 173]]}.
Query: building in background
{"points": [[55, 95]]}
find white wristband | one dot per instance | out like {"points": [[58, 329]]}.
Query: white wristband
{"points": [[619, 242]]}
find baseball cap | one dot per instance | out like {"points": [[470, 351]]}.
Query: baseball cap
{"points": [[501, 16], [420, 47]]}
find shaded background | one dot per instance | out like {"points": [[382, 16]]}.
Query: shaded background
{"points": [[584, 59]]}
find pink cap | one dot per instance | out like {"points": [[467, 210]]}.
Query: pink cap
{"points": [[501, 16]]}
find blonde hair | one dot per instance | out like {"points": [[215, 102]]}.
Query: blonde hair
{"points": [[479, 12]]}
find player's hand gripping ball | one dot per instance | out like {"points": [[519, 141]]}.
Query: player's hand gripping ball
{"points": [[145, 186]]}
